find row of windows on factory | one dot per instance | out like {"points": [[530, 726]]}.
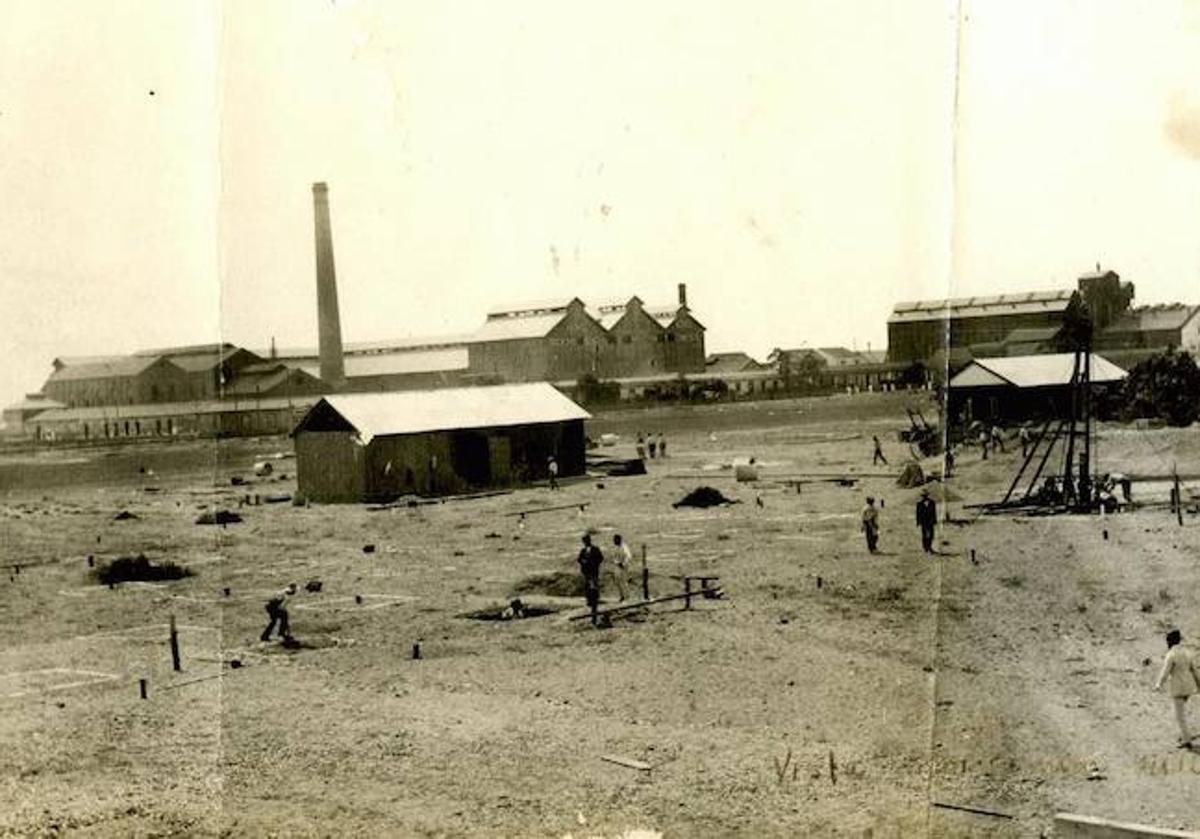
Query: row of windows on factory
{"points": [[669, 337]]}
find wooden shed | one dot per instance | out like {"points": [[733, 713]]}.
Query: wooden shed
{"points": [[1022, 388], [379, 446]]}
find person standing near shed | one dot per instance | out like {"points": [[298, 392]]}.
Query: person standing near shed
{"points": [[926, 520], [278, 615], [552, 467], [589, 560], [1180, 674], [870, 525]]}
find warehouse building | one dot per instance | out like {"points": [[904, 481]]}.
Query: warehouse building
{"points": [[377, 447], [1013, 390]]}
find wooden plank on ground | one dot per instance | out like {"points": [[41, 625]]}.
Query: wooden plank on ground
{"points": [[627, 762]]}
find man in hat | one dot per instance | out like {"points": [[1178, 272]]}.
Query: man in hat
{"points": [[278, 614], [926, 520], [870, 524], [589, 560]]}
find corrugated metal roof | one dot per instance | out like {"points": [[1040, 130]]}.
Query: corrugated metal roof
{"points": [[1032, 371], [173, 409], [399, 363], [531, 307], [191, 349], [967, 307], [449, 409], [80, 360], [119, 367], [513, 328]]}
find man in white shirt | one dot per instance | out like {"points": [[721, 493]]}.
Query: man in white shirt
{"points": [[1180, 674], [278, 614], [620, 566]]}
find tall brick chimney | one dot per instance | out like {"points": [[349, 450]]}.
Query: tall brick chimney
{"points": [[683, 294], [333, 372]]}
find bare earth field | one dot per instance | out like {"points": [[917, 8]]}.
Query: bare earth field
{"points": [[1019, 683]]}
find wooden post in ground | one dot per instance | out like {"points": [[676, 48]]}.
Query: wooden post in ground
{"points": [[645, 576], [1178, 499], [687, 592], [175, 646], [142, 688]]}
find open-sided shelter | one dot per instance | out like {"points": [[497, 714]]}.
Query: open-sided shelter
{"points": [[378, 446], [1020, 388]]}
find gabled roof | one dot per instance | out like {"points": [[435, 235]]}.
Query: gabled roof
{"points": [[191, 349], [730, 362], [119, 367], [85, 360], [1032, 371], [967, 307], [511, 328], [420, 411], [264, 378], [532, 308]]}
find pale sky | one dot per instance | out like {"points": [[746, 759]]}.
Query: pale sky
{"points": [[800, 165]]}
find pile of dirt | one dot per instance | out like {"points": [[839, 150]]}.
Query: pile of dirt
{"points": [[219, 517], [704, 497], [911, 476], [127, 569], [124, 515], [553, 584]]}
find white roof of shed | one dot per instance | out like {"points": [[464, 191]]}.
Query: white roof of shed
{"points": [[448, 409], [1032, 371]]}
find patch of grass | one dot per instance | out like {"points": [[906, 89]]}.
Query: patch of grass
{"points": [[1013, 581]]}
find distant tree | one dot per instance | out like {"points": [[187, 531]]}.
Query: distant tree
{"points": [[592, 391], [1165, 386]]}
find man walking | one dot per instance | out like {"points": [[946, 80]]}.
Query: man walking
{"points": [[926, 520], [621, 563], [870, 524], [1182, 678], [878, 456], [278, 614], [589, 560]]}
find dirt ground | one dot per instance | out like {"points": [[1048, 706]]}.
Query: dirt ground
{"points": [[830, 693]]}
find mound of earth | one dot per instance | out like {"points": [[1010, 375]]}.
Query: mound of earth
{"points": [[553, 584], [704, 497], [127, 569]]}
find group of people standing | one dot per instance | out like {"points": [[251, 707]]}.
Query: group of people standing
{"points": [[926, 514], [655, 443], [591, 559]]}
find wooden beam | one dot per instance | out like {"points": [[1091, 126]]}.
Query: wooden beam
{"points": [[549, 509], [627, 762], [621, 607]]}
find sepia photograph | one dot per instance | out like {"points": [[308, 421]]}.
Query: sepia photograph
{"points": [[639, 420]]}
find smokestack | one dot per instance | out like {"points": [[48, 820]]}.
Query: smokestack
{"points": [[333, 372], [683, 294]]}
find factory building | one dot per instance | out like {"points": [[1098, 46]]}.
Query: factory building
{"points": [[563, 340], [377, 447], [941, 333]]}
